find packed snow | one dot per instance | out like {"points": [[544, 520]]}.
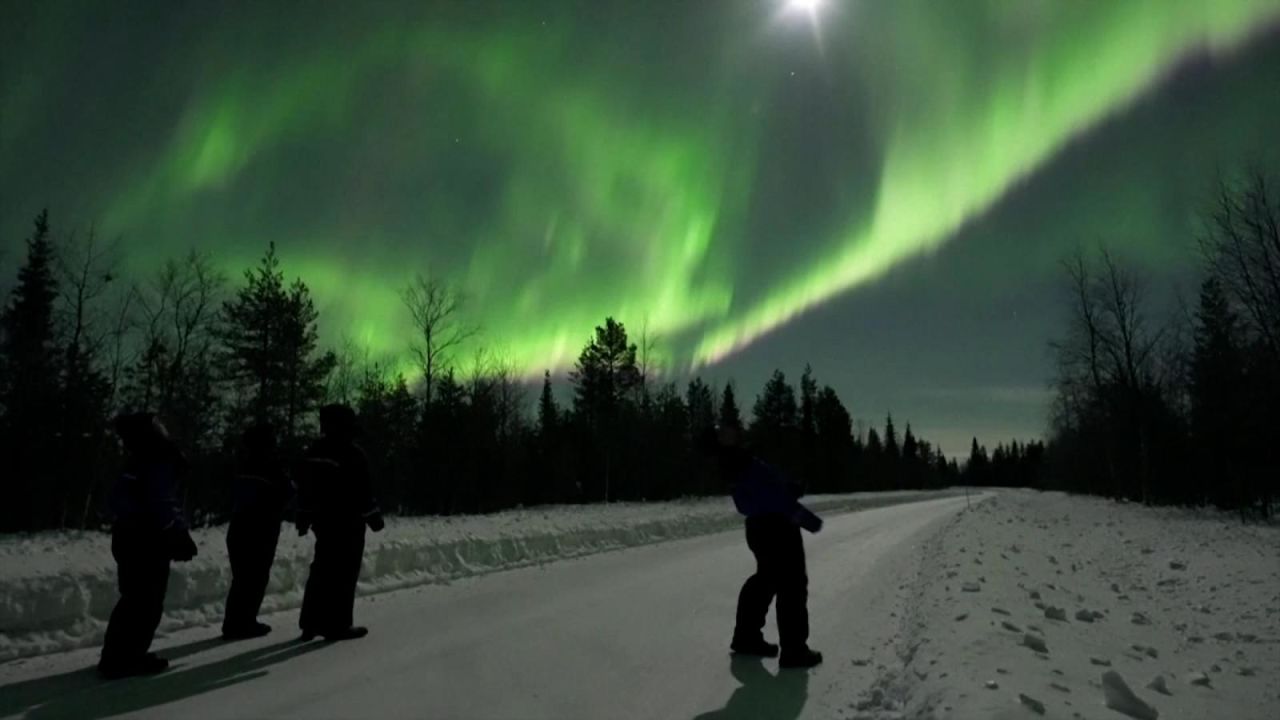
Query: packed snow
{"points": [[60, 587], [1048, 605], [637, 634], [1022, 605]]}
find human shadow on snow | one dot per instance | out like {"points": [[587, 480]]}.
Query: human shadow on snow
{"points": [[762, 694], [82, 694]]}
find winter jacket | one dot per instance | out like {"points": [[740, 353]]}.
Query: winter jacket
{"points": [[259, 490], [334, 483], [145, 496], [759, 490]]}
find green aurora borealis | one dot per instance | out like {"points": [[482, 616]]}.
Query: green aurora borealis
{"points": [[718, 171]]}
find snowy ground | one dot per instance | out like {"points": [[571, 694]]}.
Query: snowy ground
{"points": [[638, 633], [59, 588], [1037, 596], [923, 610]]}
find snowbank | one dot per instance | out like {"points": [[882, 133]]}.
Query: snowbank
{"points": [[1067, 607], [59, 588]]}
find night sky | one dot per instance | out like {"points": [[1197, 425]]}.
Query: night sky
{"points": [[881, 188]]}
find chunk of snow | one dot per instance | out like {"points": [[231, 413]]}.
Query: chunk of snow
{"points": [[1035, 643], [1199, 678], [1036, 706], [1159, 685], [1123, 700]]}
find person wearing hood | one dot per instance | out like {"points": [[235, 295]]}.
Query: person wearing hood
{"points": [[335, 500], [147, 534], [774, 518], [259, 492]]}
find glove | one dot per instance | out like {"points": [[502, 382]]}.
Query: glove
{"points": [[181, 547], [375, 522], [809, 521]]}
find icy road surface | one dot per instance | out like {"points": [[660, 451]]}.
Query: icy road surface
{"points": [[639, 633]]}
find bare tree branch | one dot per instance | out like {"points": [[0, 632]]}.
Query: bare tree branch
{"points": [[435, 308]]}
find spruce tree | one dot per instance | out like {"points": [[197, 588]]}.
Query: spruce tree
{"points": [[808, 396], [28, 355], [1219, 398], [729, 415], [910, 475], [775, 425], [548, 413], [701, 407], [891, 449], [873, 461], [775, 412], [29, 374], [833, 443]]}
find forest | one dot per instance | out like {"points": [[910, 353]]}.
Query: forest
{"points": [[1175, 409], [81, 343]]}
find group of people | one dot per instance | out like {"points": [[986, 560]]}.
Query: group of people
{"points": [[335, 501], [333, 495]]}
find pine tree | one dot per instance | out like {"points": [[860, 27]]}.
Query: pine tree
{"points": [[605, 380], [270, 352], [910, 448], [774, 413], [874, 446], [548, 413], [775, 425], [729, 416], [891, 449], [27, 343], [606, 373], [29, 373], [808, 396], [873, 461], [1219, 403], [911, 470], [977, 470], [701, 407], [834, 441]]}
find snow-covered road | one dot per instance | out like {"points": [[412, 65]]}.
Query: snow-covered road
{"points": [[639, 633]]}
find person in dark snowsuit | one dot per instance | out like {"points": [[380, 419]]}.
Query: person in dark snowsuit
{"points": [[259, 493], [335, 499], [148, 532], [774, 518]]}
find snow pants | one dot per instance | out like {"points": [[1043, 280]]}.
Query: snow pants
{"points": [[780, 572], [142, 570], [251, 548], [331, 587]]}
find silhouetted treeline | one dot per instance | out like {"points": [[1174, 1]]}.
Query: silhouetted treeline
{"points": [[1183, 411], [1013, 465], [80, 343]]}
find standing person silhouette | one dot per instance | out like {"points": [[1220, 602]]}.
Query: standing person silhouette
{"points": [[259, 493], [774, 518], [148, 532], [335, 499]]}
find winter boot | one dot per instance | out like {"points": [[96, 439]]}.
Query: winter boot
{"points": [[758, 647], [799, 658], [352, 633], [149, 664], [257, 629]]}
